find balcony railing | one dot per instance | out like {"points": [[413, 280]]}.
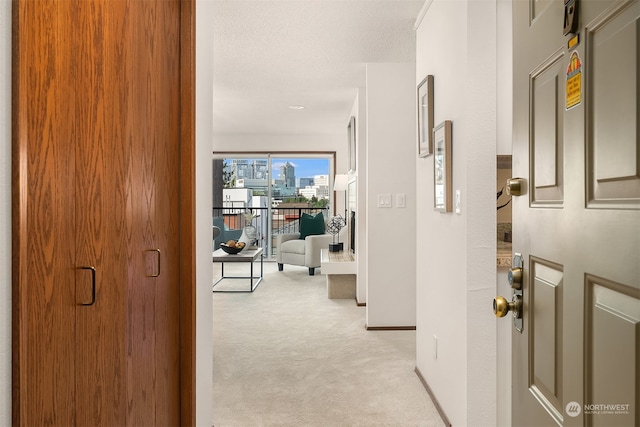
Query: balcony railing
{"points": [[231, 221]]}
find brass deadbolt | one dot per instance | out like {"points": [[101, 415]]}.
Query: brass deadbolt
{"points": [[515, 278], [515, 186]]}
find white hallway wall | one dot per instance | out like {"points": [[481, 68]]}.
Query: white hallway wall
{"points": [[204, 201], [456, 256], [390, 169]]}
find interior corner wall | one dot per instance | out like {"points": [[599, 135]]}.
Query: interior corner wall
{"points": [[5, 212], [390, 171], [204, 200], [456, 268]]}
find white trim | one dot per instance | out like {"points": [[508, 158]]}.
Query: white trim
{"points": [[422, 13]]}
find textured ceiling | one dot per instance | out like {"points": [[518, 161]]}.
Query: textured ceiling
{"points": [[271, 54]]}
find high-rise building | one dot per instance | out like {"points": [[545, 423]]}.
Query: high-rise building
{"points": [[249, 169], [305, 182], [321, 180], [288, 175]]}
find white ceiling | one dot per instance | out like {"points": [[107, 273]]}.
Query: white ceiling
{"points": [[270, 54]]}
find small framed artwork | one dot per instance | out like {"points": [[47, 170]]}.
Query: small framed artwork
{"points": [[351, 136], [442, 167], [425, 117]]}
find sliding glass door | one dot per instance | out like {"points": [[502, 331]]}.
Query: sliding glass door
{"points": [[269, 192]]}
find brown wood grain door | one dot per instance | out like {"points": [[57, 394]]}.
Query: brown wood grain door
{"points": [[97, 161], [154, 297], [43, 263], [101, 196]]}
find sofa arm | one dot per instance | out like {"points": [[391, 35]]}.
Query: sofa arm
{"points": [[280, 239], [313, 245]]}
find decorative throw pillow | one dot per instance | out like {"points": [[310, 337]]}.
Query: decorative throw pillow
{"points": [[311, 225]]}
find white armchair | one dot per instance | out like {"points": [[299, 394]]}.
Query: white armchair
{"points": [[293, 250]]}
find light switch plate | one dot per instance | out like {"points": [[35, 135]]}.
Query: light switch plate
{"points": [[401, 200], [458, 202], [384, 200]]}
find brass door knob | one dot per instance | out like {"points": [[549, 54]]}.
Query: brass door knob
{"points": [[515, 186], [501, 306]]}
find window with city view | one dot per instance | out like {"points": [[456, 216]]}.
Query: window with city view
{"points": [[275, 190]]}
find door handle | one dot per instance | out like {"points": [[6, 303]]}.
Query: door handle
{"points": [[158, 266], [93, 284], [501, 306]]}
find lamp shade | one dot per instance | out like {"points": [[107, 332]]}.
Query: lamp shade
{"points": [[340, 182]]}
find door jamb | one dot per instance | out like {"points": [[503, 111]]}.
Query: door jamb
{"points": [[187, 215]]}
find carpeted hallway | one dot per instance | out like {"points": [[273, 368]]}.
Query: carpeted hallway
{"points": [[286, 355]]}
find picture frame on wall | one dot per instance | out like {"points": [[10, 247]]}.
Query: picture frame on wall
{"points": [[351, 136], [442, 166], [425, 117]]}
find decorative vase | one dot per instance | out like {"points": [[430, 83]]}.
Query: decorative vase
{"points": [[249, 235]]}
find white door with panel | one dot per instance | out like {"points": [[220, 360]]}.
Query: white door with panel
{"points": [[576, 222]]}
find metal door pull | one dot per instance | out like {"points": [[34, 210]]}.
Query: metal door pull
{"points": [[93, 284], [158, 269]]}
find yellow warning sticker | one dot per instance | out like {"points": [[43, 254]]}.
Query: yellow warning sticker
{"points": [[574, 81]]}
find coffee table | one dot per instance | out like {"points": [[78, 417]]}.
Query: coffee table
{"points": [[247, 255]]}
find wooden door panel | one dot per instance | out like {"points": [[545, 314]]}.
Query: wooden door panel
{"points": [[100, 195], [153, 390], [98, 141], [43, 267], [167, 290], [140, 315], [100, 136]]}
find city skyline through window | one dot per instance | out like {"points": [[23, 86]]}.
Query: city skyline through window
{"points": [[275, 189]]}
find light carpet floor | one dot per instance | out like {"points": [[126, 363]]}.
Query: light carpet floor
{"points": [[286, 355]]}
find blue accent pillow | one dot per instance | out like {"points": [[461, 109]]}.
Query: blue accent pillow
{"points": [[311, 225]]}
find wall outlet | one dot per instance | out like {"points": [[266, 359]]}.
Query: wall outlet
{"points": [[435, 347]]}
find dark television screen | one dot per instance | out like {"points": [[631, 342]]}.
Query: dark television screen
{"points": [[352, 231]]}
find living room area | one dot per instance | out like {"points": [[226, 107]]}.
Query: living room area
{"points": [[411, 261]]}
